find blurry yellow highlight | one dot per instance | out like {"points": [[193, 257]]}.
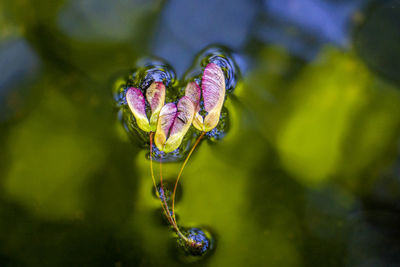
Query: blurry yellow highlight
{"points": [[337, 108]]}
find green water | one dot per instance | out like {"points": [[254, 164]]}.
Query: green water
{"points": [[307, 174]]}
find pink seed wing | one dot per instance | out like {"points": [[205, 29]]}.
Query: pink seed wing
{"points": [[184, 116], [167, 117], [137, 105], [193, 91], [183, 120], [213, 87], [166, 120], [155, 96]]}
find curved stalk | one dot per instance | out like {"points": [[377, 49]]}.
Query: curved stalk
{"points": [[165, 208], [180, 173], [154, 180], [174, 224], [151, 163]]}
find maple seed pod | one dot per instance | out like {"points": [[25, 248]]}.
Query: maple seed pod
{"points": [[213, 91], [174, 122], [193, 91], [155, 96]]}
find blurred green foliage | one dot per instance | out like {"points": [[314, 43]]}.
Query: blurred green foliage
{"points": [[51, 159], [335, 120], [311, 146], [343, 120]]}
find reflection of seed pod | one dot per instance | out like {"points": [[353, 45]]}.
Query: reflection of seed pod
{"points": [[200, 244]]}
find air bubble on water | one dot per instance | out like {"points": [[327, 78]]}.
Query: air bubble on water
{"points": [[200, 243], [166, 191], [147, 71]]}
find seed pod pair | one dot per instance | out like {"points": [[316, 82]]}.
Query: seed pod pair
{"points": [[155, 96], [170, 121]]}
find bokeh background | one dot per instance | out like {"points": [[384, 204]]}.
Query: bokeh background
{"points": [[308, 174]]}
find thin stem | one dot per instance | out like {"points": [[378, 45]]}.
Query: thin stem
{"points": [[165, 208], [151, 162], [180, 173], [164, 196], [173, 222]]}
